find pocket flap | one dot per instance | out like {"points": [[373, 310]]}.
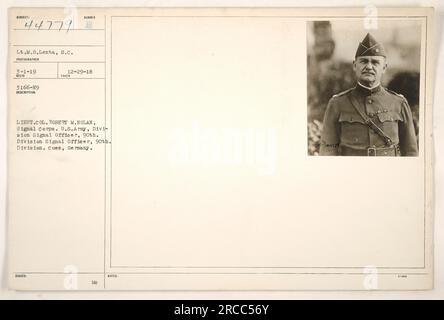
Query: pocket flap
{"points": [[350, 117], [389, 116]]}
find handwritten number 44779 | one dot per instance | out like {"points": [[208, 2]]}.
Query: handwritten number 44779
{"points": [[49, 25]]}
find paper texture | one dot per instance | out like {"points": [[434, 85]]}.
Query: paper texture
{"points": [[177, 149]]}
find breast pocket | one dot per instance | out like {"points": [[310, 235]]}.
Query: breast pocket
{"points": [[354, 131], [389, 123]]}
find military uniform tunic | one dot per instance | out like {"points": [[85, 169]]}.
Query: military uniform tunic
{"points": [[346, 133]]}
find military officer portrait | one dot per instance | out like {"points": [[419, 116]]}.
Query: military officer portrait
{"points": [[368, 119]]}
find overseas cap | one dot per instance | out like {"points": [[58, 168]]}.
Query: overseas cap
{"points": [[370, 47]]}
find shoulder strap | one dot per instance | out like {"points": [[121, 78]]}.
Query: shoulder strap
{"points": [[368, 121], [396, 94], [343, 92]]}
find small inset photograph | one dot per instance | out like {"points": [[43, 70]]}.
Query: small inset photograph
{"points": [[363, 88]]}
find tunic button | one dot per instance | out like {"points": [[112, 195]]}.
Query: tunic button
{"points": [[370, 100]]}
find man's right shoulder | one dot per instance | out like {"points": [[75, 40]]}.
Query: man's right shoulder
{"points": [[342, 94], [340, 99]]}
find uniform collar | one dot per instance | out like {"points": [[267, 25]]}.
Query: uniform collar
{"points": [[366, 91]]}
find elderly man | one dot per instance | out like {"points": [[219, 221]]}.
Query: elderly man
{"points": [[368, 120]]}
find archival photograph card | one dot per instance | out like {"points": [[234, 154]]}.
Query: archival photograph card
{"points": [[220, 149]]}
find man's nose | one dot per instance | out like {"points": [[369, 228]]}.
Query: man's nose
{"points": [[369, 65]]}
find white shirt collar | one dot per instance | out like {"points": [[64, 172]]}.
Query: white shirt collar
{"points": [[368, 88]]}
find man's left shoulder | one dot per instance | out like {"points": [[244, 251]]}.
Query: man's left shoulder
{"points": [[396, 96]]}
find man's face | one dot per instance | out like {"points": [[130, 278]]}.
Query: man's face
{"points": [[369, 69]]}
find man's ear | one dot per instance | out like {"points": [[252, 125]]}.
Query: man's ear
{"points": [[385, 65], [354, 65]]}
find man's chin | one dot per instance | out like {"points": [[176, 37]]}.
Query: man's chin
{"points": [[367, 79]]}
